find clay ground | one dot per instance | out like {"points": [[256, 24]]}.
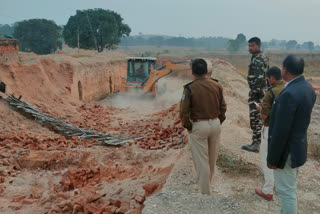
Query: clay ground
{"points": [[43, 172]]}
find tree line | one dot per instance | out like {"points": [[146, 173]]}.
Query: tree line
{"points": [[215, 43], [205, 42], [100, 29]]}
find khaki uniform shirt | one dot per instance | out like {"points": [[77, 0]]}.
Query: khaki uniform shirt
{"points": [[268, 100], [202, 99]]}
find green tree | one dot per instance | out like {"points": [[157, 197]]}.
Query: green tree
{"points": [[95, 29], [241, 39], [308, 45], [233, 46], [292, 44], [6, 30], [40, 36]]}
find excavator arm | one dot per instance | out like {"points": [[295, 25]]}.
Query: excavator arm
{"points": [[166, 69]]}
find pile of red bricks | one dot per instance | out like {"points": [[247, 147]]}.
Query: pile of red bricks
{"points": [[87, 200], [164, 135], [79, 177], [163, 138], [9, 165], [96, 117], [157, 134]]}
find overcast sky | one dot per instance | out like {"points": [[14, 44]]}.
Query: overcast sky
{"points": [[280, 19]]}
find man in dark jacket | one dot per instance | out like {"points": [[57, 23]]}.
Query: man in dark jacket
{"points": [[289, 121]]}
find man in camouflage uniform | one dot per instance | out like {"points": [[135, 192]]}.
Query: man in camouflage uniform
{"points": [[257, 82]]}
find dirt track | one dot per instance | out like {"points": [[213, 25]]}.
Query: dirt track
{"points": [[43, 172]]}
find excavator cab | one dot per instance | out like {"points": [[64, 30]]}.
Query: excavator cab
{"points": [[143, 74], [138, 69]]}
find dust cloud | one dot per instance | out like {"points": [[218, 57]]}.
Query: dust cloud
{"points": [[169, 93]]}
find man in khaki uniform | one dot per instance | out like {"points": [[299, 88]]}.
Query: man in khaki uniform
{"points": [[202, 111], [277, 85]]}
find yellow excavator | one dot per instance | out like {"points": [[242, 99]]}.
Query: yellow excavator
{"points": [[143, 74]]}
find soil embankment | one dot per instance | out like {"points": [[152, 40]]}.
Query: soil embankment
{"points": [[239, 172]]}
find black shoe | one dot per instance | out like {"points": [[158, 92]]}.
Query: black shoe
{"points": [[254, 147]]}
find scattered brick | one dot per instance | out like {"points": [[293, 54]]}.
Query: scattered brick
{"points": [[140, 199], [18, 198], [28, 201], [150, 188]]}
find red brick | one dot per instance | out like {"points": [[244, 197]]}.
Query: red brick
{"points": [[64, 195], [15, 207], [18, 198], [139, 199], [117, 203], [93, 209], [150, 188], [6, 162], [92, 198], [28, 201], [77, 208], [134, 211]]}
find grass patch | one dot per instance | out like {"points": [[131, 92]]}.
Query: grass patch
{"points": [[314, 145], [79, 55], [234, 164]]}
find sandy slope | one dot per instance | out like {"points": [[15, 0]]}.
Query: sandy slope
{"points": [[238, 173]]}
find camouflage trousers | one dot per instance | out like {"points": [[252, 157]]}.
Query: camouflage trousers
{"points": [[255, 121]]}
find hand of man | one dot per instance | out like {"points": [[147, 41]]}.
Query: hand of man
{"points": [[258, 106], [271, 167], [263, 116]]}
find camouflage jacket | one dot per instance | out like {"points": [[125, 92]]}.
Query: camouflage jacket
{"points": [[257, 72]]}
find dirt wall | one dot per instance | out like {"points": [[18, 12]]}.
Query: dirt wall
{"points": [[8, 53], [57, 77], [95, 82]]}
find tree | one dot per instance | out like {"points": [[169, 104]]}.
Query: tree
{"points": [[241, 39], [308, 46], [95, 29], [235, 44], [40, 36], [292, 44], [265, 45], [6, 30]]}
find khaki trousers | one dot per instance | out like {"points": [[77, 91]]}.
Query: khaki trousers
{"points": [[268, 173], [204, 142]]}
